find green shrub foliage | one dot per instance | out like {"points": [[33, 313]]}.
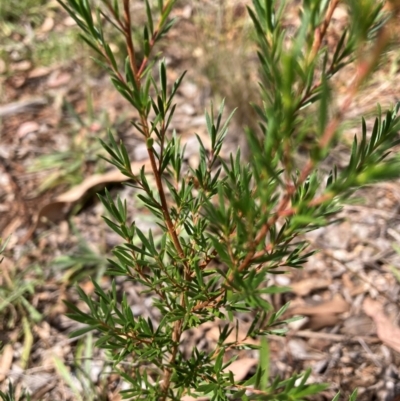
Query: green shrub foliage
{"points": [[227, 225]]}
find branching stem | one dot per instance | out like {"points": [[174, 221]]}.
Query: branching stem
{"points": [[364, 69]]}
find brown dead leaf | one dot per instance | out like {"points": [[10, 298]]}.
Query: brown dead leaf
{"points": [[304, 287], [59, 207], [54, 211], [335, 305], [76, 193], [320, 321], [386, 331]]}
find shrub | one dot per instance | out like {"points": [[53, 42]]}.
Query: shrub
{"points": [[228, 224]]}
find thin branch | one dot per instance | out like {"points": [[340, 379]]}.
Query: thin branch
{"points": [[265, 229], [129, 42], [164, 205], [321, 31], [176, 336], [110, 8], [177, 329]]}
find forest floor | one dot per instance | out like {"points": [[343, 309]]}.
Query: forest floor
{"points": [[54, 105]]}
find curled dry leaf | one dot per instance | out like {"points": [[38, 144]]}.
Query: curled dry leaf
{"points": [[388, 333], [57, 209], [322, 315], [336, 305], [77, 192], [304, 287]]}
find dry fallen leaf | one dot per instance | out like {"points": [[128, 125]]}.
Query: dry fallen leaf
{"points": [[318, 322], [76, 193], [57, 209], [386, 331], [336, 305], [304, 287]]}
